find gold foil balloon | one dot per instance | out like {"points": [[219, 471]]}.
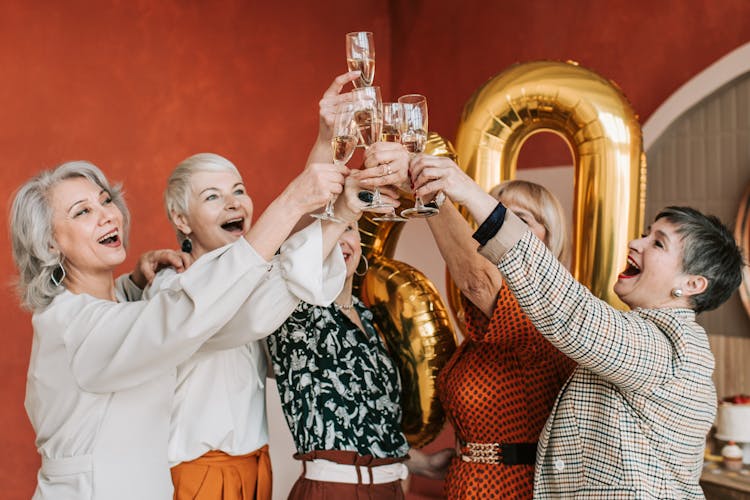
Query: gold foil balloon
{"points": [[602, 131], [742, 235], [411, 318]]}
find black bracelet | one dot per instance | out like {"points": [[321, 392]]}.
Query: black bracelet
{"points": [[491, 225]]}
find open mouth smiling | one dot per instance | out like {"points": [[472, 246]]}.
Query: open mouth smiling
{"points": [[236, 225], [631, 270], [110, 239]]}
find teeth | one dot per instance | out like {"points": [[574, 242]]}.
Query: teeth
{"points": [[238, 219], [110, 234], [632, 263]]}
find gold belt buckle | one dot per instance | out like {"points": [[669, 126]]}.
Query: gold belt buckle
{"points": [[483, 453]]}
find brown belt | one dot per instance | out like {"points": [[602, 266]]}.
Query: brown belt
{"points": [[499, 453]]}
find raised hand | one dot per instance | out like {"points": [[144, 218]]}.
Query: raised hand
{"points": [[312, 188], [330, 101], [349, 206], [386, 163]]}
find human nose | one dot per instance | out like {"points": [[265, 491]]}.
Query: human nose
{"points": [[232, 201], [107, 213]]}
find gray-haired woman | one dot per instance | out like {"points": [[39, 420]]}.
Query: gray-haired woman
{"points": [[632, 419], [101, 374]]}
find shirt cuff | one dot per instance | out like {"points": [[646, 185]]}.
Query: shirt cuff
{"points": [[513, 229], [491, 225]]}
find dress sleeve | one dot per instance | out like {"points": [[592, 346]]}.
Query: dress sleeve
{"points": [[298, 273], [624, 348], [114, 346]]}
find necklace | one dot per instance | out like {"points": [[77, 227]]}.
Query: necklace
{"points": [[345, 307]]}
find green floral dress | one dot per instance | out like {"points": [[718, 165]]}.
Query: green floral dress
{"points": [[338, 387]]}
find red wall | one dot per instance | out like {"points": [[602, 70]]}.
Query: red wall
{"points": [[137, 86]]}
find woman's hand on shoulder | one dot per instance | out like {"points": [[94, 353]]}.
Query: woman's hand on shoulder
{"points": [[153, 261]]}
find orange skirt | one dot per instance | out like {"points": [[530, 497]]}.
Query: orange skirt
{"points": [[218, 476]]}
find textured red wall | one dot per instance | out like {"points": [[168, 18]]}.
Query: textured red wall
{"points": [[137, 86], [448, 49]]}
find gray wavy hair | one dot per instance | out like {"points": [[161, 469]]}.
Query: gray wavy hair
{"points": [[177, 194], [32, 232]]}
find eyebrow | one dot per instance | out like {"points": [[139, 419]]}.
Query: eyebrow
{"points": [[82, 201], [217, 189], [663, 235]]}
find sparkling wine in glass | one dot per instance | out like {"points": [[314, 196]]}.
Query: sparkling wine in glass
{"points": [[368, 116], [360, 55], [414, 138], [343, 143], [393, 119]]}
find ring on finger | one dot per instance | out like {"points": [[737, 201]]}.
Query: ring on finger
{"points": [[387, 170]]}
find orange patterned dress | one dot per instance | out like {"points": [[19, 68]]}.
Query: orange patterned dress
{"points": [[499, 387]]}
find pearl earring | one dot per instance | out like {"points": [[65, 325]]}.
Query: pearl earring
{"points": [[677, 292]]}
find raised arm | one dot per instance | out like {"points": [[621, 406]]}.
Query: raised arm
{"points": [[332, 97], [114, 346], [477, 278], [624, 348]]}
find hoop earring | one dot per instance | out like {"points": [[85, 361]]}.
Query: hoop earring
{"points": [[60, 271], [367, 266], [677, 293], [187, 245]]}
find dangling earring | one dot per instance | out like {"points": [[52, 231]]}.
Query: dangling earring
{"points": [[58, 271], [677, 292], [367, 266], [187, 245]]}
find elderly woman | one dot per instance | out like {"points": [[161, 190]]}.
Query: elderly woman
{"points": [[500, 385], [218, 444], [632, 420], [101, 374], [341, 396]]}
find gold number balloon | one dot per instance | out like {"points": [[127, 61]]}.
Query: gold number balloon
{"points": [[604, 136], [411, 318]]}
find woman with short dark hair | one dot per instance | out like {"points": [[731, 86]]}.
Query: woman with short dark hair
{"points": [[633, 418]]}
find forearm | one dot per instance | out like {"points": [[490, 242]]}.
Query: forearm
{"points": [[274, 225], [477, 278], [321, 152]]}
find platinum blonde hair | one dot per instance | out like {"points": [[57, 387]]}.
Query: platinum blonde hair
{"points": [[32, 231], [177, 194], [545, 208]]}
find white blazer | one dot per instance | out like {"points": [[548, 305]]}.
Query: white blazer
{"points": [[102, 376], [219, 401]]}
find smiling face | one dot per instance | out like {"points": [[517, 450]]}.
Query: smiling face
{"points": [[219, 211], [351, 247], [654, 270], [87, 227]]}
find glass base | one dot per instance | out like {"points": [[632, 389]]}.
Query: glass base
{"points": [[326, 216], [419, 212], [394, 217], [377, 206]]}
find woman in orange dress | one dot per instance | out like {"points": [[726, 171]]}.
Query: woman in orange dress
{"points": [[499, 387]]}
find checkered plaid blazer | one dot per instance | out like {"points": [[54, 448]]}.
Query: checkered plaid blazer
{"points": [[631, 420]]}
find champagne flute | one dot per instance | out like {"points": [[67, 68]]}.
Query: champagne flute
{"points": [[414, 137], [343, 143], [393, 119], [360, 55], [368, 115]]}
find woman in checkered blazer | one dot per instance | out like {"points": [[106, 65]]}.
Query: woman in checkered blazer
{"points": [[631, 421]]}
